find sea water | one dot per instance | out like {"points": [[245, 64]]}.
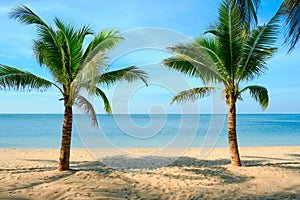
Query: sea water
{"points": [[149, 131]]}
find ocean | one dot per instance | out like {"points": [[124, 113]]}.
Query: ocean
{"points": [[149, 131]]}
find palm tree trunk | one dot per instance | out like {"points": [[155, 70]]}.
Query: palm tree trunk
{"points": [[233, 145], [66, 140]]}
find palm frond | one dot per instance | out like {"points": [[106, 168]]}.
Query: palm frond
{"points": [[13, 78], [83, 32], [129, 74], [229, 33], [259, 93], [48, 50], [47, 43], [180, 64], [94, 60], [72, 48], [291, 11], [100, 93], [248, 10], [192, 94], [24, 15], [195, 61], [86, 106], [88, 75], [258, 48], [48, 54], [212, 48], [104, 41], [39, 51]]}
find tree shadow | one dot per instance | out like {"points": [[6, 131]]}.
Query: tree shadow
{"points": [[14, 198], [229, 195], [195, 168], [279, 195], [226, 176], [76, 166], [41, 160], [191, 165], [153, 162], [266, 158], [295, 155], [96, 166], [27, 169], [285, 164], [91, 166], [53, 178], [195, 162]]}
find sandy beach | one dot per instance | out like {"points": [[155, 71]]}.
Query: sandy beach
{"points": [[267, 173]]}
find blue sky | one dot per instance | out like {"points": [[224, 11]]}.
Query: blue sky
{"points": [[183, 18]]}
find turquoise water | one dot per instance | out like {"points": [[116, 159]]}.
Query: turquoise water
{"points": [[137, 131]]}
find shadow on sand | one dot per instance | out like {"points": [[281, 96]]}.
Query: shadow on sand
{"points": [[269, 161], [195, 169]]}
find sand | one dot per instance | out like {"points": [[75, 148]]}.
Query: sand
{"points": [[267, 173]]}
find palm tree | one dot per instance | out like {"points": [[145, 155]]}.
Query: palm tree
{"points": [[72, 67], [230, 56], [290, 9]]}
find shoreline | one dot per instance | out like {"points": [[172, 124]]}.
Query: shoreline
{"points": [[268, 172], [151, 148]]}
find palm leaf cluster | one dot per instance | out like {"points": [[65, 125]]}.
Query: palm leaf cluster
{"points": [[289, 9], [228, 54], [73, 67], [247, 10], [21, 80]]}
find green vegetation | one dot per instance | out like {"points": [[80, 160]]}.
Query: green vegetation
{"points": [[229, 54], [290, 10], [72, 67]]}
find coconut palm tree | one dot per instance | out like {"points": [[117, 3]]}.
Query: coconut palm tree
{"points": [[229, 56], [72, 67], [290, 9]]}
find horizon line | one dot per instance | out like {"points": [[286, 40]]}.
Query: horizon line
{"points": [[260, 113]]}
